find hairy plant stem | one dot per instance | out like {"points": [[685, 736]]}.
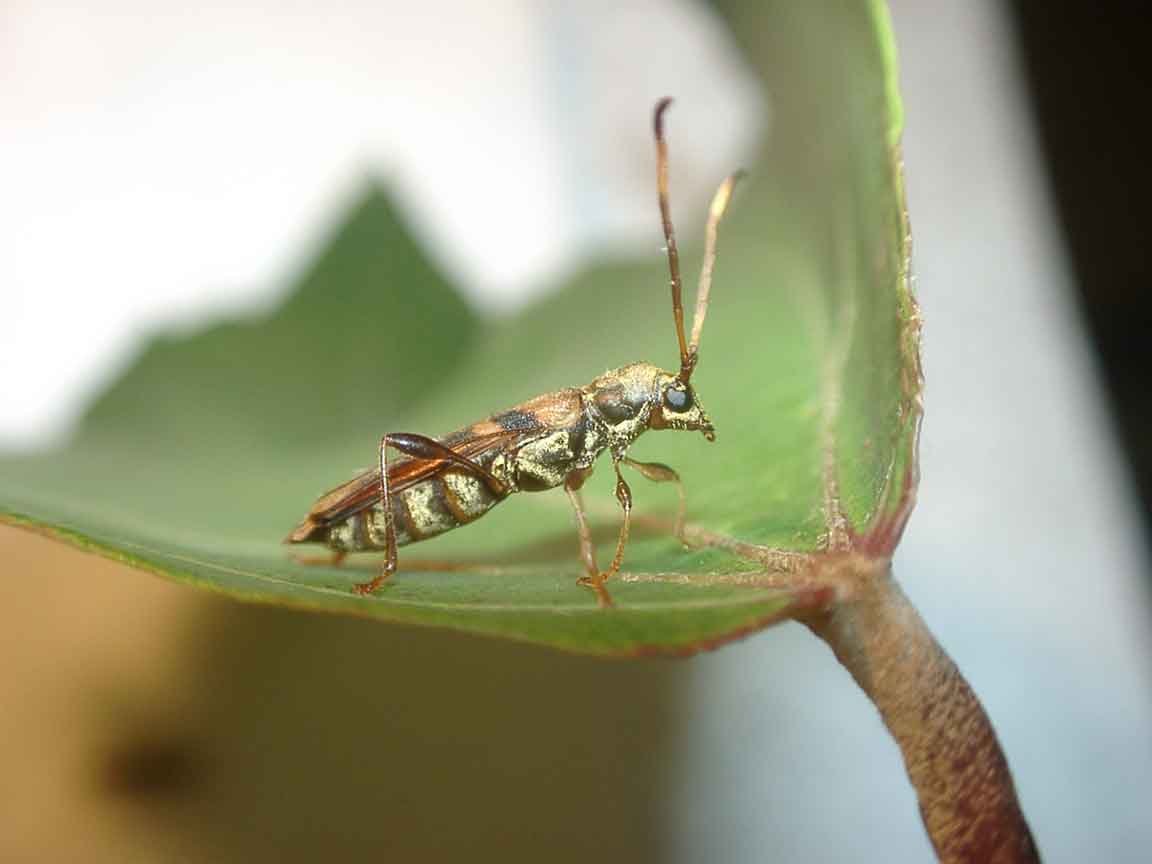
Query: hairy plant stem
{"points": [[967, 798]]}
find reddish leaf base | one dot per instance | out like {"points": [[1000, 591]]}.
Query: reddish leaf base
{"points": [[965, 789], [967, 798]]}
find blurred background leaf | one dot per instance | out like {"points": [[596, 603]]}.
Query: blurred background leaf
{"points": [[302, 377]]}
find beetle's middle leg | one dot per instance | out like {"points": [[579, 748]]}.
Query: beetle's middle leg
{"points": [[596, 582], [658, 472], [572, 484]]}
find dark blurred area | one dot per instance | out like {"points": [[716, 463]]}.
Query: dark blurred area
{"points": [[1087, 71]]}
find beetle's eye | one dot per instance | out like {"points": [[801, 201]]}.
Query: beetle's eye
{"points": [[677, 399]]}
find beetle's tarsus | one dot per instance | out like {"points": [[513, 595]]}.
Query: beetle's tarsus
{"points": [[596, 583], [366, 588]]}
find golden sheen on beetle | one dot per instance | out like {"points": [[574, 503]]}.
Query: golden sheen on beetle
{"points": [[547, 442]]}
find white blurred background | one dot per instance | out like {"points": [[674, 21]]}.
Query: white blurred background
{"points": [[128, 138], [515, 132]]}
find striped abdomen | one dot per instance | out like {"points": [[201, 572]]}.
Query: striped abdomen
{"points": [[419, 512]]}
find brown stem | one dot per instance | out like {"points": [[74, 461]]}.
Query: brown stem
{"points": [[967, 798]]}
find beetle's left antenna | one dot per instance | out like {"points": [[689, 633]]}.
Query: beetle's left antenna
{"points": [[687, 359]]}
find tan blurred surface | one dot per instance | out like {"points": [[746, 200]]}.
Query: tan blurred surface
{"points": [[149, 721], [77, 634]]}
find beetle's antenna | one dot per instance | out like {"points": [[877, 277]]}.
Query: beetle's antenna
{"points": [[715, 214], [687, 360]]}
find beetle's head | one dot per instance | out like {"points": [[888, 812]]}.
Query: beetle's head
{"points": [[642, 396], [675, 406]]}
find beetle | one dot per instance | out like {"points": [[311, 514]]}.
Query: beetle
{"points": [[549, 441]]}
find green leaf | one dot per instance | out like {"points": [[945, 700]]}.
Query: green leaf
{"points": [[197, 462]]}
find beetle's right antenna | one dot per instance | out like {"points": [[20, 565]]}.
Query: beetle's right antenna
{"points": [[687, 359], [715, 214]]}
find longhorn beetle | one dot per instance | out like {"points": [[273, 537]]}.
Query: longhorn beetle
{"points": [[552, 440]]}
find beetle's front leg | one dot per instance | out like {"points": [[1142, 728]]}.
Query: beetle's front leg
{"points": [[658, 472], [596, 582]]}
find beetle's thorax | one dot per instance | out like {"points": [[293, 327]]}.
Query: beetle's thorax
{"points": [[619, 403]]}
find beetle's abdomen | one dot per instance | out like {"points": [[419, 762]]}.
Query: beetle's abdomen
{"points": [[419, 512]]}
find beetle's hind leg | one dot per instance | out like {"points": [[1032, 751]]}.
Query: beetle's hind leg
{"points": [[365, 588], [418, 447]]}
